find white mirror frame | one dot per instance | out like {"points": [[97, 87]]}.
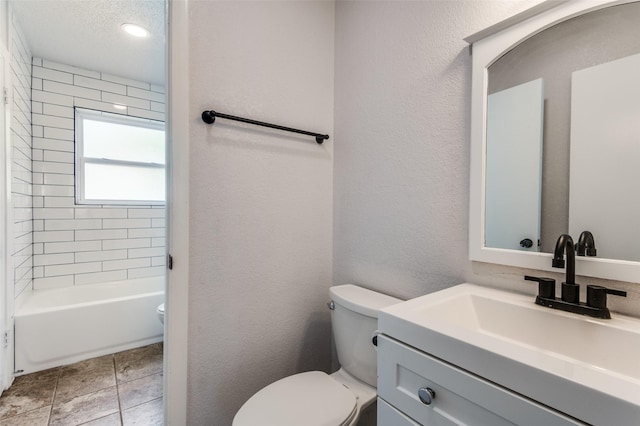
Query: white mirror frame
{"points": [[488, 46]]}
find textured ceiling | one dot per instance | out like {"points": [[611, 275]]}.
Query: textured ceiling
{"points": [[87, 34]]}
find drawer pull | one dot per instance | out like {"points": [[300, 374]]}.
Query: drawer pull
{"points": [[426, 395]]}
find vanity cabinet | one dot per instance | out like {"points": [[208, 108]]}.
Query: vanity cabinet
{"points": [[452, 396]]}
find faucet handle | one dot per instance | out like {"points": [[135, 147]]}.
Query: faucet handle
{"points": [[546, 286], [597, 295]]}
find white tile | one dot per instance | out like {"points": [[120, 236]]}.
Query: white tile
{"points": [[69, 89], [158, 107], [49, 167], [54, 144], [133, 213], [155, 271], [159, 260], [53, 190], [37, 131], [99, 106], [145, 94], [70, 69], [73, 246], [52, 282], [52, 213], [94, 256], [52, 121], [158, 222], [72, 224], [101, 277], [36, 61], [53, 259], [53, 202], [73, 268], [93, 83], [55, 133], [38, 202], [55, 179], [59, 156], [38, 248], [158, 242], [98, 212], [38, 271], [143, 113], [58, 110], [38, 225], [126, 100], [125, 81], [148, 232], [51, 74], [104, 234], [145, 252], [36, 107], [110, 265], [52, 98], [126, 223], [157, 88], [126, 243], [51, 236], [37, 155]]}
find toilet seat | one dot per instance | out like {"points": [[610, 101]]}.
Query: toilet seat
{"points": [[311, 399]]}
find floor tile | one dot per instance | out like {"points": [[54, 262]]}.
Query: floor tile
{"points": [[37, 417], [147, 414], [75, 382], [88, 365], [85, 408], [139, 362], [139, 391], [29, 392], [111, 420]]}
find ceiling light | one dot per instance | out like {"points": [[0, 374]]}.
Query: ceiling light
{"points": [[135, 30]]}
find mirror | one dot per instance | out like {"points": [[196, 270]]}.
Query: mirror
{"points": [[553, 41]]}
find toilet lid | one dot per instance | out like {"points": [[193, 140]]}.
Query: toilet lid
{"points": [[310, 399]]}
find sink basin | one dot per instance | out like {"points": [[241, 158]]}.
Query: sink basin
{"points": [[588, 368]]}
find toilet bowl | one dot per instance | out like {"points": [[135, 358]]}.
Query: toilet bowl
{"points": [[160, 312], [315, 398]]}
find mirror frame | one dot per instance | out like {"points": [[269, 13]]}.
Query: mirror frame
{"points": [[487, 46]]}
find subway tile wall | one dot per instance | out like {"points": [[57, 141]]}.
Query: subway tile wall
{"points": [[21, 178], [85, 244]]}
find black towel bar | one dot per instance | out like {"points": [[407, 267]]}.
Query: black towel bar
{"points": [[210, 117]]}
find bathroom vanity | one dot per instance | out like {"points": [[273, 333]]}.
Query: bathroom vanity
{"points": [[481, 356]]}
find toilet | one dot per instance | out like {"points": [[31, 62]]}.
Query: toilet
{"points": [[160, 312], [315, 398]]}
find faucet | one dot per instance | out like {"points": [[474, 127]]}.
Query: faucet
{"points": [[596, 305], [570, 290], [586, 244]]}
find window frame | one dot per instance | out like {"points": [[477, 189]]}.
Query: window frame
{"points": [[80, 114]]}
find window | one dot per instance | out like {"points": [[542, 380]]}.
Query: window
{"points": [[119, 159]]}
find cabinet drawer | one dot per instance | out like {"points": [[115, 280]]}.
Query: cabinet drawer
{"points": [[460, 397], [387, 415]]}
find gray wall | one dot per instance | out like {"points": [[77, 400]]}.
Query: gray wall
{"points": [[260, 242]]}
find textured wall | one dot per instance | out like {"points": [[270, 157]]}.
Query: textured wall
{"points": [[83, 244], [401, 182], [402, 141], [260, 199]]}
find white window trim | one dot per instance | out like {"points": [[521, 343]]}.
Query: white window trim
{"points": [[81, 160]]}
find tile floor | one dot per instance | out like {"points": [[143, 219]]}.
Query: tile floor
{"points": [[120, 389]]}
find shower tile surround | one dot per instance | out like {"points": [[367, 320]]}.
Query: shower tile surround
{"points": [[119, 389], [84, 244]]}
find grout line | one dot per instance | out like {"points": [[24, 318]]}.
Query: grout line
{"points": [[53, 397]]}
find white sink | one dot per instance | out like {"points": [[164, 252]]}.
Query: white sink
{"points": [[588, 368]]}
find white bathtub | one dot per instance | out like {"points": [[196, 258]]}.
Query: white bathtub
{"points": [[61, 326]]}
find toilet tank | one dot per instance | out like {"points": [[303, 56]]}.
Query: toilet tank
{"points": [[354, 319]]}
